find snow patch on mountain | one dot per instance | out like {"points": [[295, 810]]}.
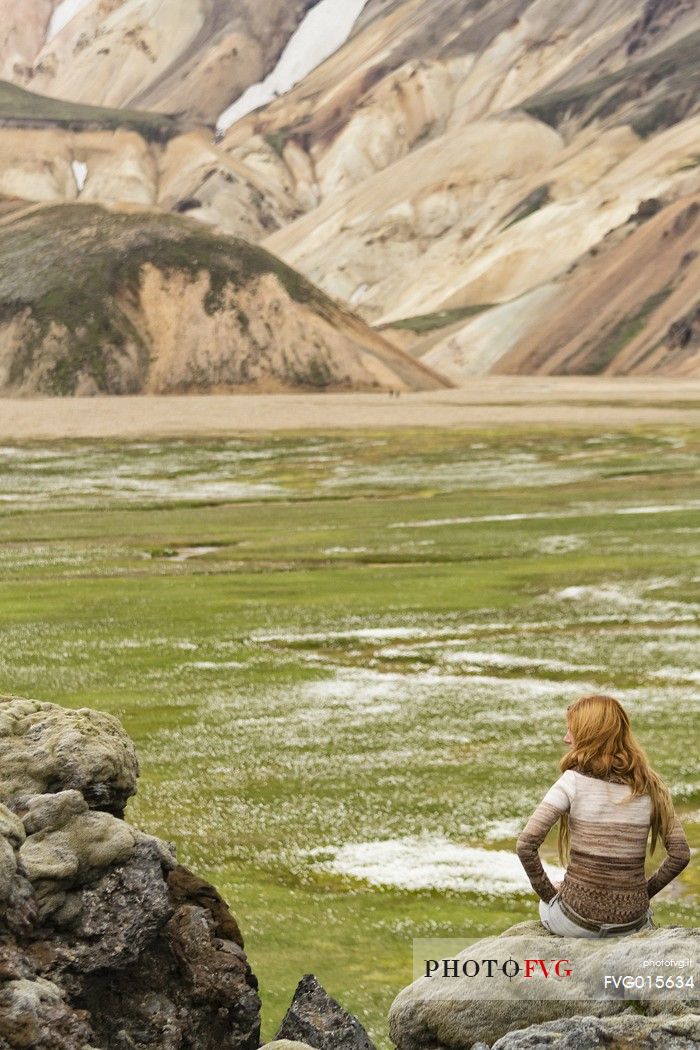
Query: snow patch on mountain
{"points": [[80, 173], [325, 29], [63, 14]]}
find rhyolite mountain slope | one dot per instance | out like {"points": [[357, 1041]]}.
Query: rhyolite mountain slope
{"points": [[466, 156], [51, 150], [93, 301], [193, 57], [470, 176], [630, 305]]}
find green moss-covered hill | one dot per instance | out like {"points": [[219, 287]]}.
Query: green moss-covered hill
{"points": [[21, 108], [97, 301]]}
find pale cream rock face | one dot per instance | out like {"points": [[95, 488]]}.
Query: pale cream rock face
{"points": [[167, 55], [24, 24], [400, 174]]}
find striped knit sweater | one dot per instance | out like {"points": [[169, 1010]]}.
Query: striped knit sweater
{"points": [[605, 880]]}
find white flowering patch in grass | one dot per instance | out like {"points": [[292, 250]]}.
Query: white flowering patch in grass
{"points": [[559, 544], [214, 665], [589, 510], [660, 508], [96, 475], [185, 553], [22, 556], [428, 862], [497, 830], [85, 473], [78, 492], [511, 661], [676, 674], [663, 653], [486, 471], [361, 633], [631, 597], [356, 687], [367, 692], [516, 690], [426, 638], [344, 550]]}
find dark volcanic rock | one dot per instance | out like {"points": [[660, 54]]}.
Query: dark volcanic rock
{"points": [[35, 1014], [189, 989], [113, 922], [316, 1019], [106, 942], [647, 210], [185, 886]]}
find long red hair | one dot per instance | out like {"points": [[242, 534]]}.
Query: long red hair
{"points": [[605, 746]]}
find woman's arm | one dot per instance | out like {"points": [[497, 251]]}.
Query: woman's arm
{"points": [[557, 801], [678, 852]]}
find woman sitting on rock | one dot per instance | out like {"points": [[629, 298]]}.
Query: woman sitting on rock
{"points": [[606, 800]]}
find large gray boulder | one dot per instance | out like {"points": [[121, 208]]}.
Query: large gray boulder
{"points": [[472, 1007], [628, 1030], [106, 941]]}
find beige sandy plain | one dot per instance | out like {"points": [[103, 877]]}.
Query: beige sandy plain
{"points": [[491, 401]]}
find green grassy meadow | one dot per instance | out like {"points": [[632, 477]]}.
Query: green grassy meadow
{"points": [[345, 658]]}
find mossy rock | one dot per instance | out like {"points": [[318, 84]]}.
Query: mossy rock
{"points": [[45, 748]]}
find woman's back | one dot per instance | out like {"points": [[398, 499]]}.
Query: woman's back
{"points": [[605, 880]]}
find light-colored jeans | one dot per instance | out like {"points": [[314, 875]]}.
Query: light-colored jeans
{"points": [[555, 921]]}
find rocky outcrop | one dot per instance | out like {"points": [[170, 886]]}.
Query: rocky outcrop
{"points": [[84, 754], [459, 1009], [684, 334], [129, 302], [165, 55], [628, 1030], [317, 1020], [106, 941], [117, 164]]}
